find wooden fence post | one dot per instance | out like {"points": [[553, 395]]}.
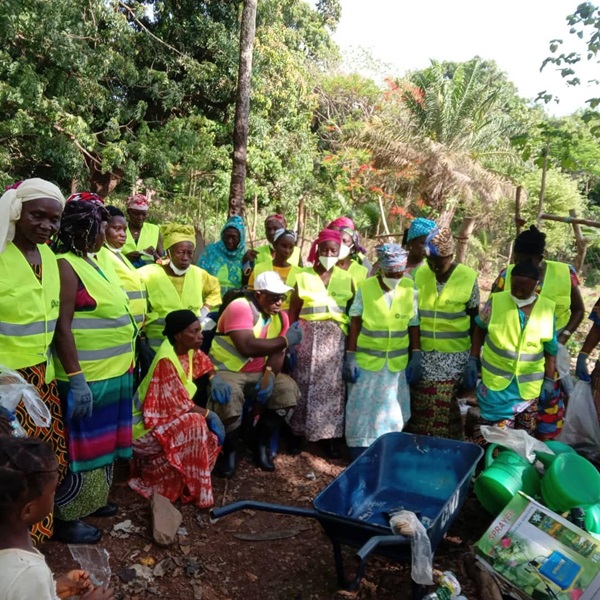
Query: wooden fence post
{"points": [[581, 243], [466, 229]]}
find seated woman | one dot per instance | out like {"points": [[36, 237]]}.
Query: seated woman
{"points": [[176, 443]]}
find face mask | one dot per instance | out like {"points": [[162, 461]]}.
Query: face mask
{"points": [[328, 262], [91, 255], [178, 271], [523, 302], [115, 250], [344, 252], [391, 283]]}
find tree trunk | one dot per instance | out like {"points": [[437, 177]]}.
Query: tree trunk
{"points": [[237, 191], [581, 243], [543, 185], [466, 229], [519, 222]]}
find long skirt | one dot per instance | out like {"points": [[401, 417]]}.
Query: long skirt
{"points": [[176, 461], [378, 403], [53, 435], [319, 414], [435, 409], [94, 444]]}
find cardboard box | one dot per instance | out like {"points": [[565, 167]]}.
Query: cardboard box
{"points": [[541, 554]]}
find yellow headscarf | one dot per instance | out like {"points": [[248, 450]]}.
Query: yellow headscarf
{"points": [[173, 233]]}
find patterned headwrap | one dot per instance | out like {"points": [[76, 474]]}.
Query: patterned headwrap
{"points": [[81, 223], [284, 232], [327, 235], [420, 227], [173, 233], [277, 217], [391, 257], [12, 201], [342, 223], [138, 202], [439, 243], [85, 197]]}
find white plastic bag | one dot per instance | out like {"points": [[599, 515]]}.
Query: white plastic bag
{"points": [[406, 523], [95, 561], [13, 389], [515, 439], [581, 429], [563, 366]]}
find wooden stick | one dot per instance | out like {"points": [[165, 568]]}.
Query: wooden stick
{"points": [[518, 220], [558, 219], [580, 241]]}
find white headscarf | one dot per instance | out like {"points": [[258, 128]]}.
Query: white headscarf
{"points": [[12, 201]]}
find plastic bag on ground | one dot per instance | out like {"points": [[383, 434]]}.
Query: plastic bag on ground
{"points": [[581, 429], [563, 366], [515, 439], [13, 389], [406, 523], [94, 560]]}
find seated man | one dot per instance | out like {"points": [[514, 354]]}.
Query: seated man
{"points": [[252, 337]]}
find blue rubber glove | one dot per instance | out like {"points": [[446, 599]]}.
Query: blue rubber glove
{"points": [[79, 400], [350, 370], [581, 370], [414, 369], [262, 396], [294, 335], [469, 378], [216, 426], [548, 390], [220, 390]]}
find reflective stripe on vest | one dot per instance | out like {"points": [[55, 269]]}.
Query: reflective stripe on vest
{"points": [[510, 352], [163, 298], [320, 303], [167, 352], [131, 281], [223, 352], [383, 338], [103, 336], [28, 309], [445, 324], [556, 287], [149, 234]]}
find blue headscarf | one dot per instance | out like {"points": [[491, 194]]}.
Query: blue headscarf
{"points": [[391, 257], [216, 256], [420, 227]]}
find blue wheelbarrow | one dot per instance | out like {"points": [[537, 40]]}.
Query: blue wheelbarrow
{"points": [[426, 475]]}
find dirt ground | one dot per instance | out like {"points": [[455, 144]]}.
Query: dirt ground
{"points": [[285, 558]]}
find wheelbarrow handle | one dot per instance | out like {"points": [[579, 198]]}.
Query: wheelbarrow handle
{"points": [[217, 513]]}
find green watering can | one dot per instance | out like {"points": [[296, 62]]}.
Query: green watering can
{"points": [[503, 477], [558, 448]]}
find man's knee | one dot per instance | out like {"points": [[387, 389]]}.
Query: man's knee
{"points": [[285, 393]]}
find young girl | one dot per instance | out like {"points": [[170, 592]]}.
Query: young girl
{"points": [[28, 480]]}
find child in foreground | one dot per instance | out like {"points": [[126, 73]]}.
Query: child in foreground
{"points": [[28, 480]]}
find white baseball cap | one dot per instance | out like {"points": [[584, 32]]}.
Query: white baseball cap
{"points": [[269, 281]]}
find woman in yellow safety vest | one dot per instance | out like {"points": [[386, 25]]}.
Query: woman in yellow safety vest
{"points": [[176, 443], [448, 305], [559, 283], [30, 213], [517, 332], [94, 351], [144, 243], [384, 335], [176, 283], [320, 300], [266, 252], [352, 255]]}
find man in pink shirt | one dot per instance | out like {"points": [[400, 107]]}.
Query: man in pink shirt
{"points": [[248, 351]]}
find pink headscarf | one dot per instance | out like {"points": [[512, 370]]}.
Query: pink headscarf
{"points": [[85, 197], [327, 235], [342, 223], [138, 202]]}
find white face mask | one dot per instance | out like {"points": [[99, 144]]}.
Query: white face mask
{"points": [[328, 262], [91, 255], [344, 252], [523, 302], [115, 250], [391, 283]]}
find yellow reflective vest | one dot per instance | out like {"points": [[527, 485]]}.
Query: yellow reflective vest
{"points": [[149, 234], [163, 298], [167, 352], [383, 337], [130, 281], [104, 336], [358, 272], [556, 287], [28, 309], [223, 353], [511, 352], [265, 253], [445, 324], [320, 303]]}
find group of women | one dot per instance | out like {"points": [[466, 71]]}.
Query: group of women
{"points": [[106, 323]]}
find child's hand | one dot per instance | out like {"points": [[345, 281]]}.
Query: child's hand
{"points": [[73, 583], [99, 594]]}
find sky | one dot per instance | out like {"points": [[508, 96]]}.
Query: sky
{"points": [[406, 34]]}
